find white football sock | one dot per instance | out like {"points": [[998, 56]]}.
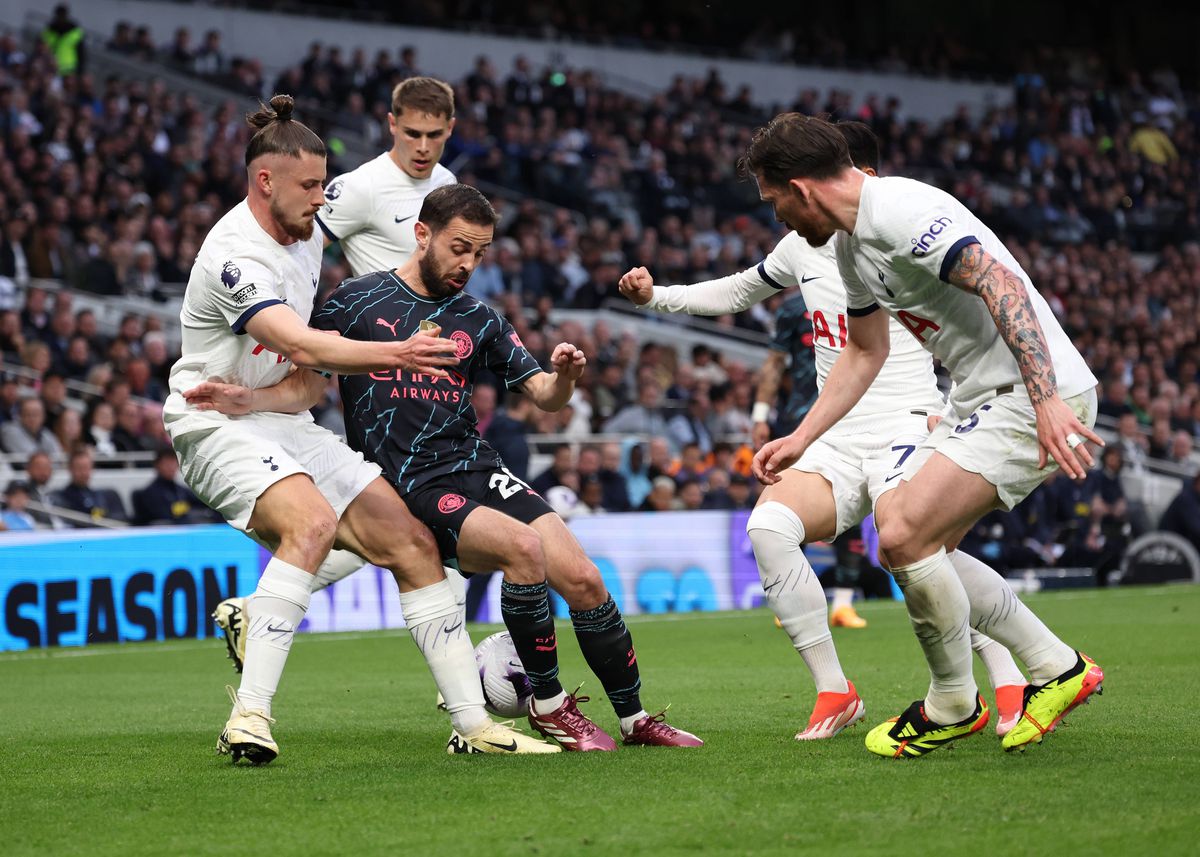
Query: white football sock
{"points": [[627, 723], [1002, 669], [545, 706], [274, 612], [997, 612], [793, 591], [339, 564], [843, 597], [938, 608], [439, 628]]}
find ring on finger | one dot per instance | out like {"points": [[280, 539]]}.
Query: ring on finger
{"points": [[1074, 440]]}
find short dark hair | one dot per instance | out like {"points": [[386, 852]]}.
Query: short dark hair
{"points": [[862, 143], [279, 134], [793, 146], [456, 200], [424, 95]]}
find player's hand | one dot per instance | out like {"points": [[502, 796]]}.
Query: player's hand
{"points": [[931, 422], [637, 285], [424, 352], [231, 399], [775, 457], [760, 434], [568, 361], [1058, 431]]}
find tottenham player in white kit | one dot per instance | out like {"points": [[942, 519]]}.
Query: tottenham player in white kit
{"points": [[289, 484], [371, 212], [839, 479], [1022, 400]]}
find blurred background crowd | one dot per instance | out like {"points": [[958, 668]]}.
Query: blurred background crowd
{"points": [[108, 186]]}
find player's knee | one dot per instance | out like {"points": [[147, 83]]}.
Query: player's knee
{"points": [[772, 525], [410, 550], [581, 585], [525, 561], [899, 540], [313, 536]]}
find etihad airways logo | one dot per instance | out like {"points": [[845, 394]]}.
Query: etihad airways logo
{"points": [[418, 385]]}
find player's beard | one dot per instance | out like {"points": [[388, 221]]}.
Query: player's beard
{"points": [[433, 277], [300, 229]]}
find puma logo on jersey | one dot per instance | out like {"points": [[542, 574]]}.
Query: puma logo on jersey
{"points": [[391, 326]]}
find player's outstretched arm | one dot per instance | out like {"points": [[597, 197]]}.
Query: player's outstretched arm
{"points": [[867, 346], [298, 392], [550, 391], [281, 330], [712, 297], [1004, 293], [769, 378]]}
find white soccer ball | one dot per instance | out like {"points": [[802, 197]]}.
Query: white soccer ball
{"points": [[563, 500], [506, 688]]}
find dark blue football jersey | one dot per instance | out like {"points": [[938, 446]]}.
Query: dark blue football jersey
{"points": [[415, 426], [794, 337]]}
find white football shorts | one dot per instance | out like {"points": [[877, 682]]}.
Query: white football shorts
{"points": [[999, 442], [231, 467], [863, 458]]}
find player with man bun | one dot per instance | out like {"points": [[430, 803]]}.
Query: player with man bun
{"points": [[280, 478]]}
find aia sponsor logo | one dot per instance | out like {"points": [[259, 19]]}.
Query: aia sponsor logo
{"points": [[921, 245], [464, 344], [451, 503]]}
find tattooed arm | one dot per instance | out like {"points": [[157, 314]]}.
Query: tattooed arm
{"points": [[1003, 292], [978, 272]]}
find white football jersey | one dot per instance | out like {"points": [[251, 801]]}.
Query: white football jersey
{"points": [[239, 270], [906, 381], [372, 210], [905, 241]]}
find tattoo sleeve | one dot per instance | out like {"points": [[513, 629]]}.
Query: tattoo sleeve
{"points": [[1004, 293]]}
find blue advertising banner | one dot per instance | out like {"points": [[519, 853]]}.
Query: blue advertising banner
{"points": [[78, 587], [83, 586]]}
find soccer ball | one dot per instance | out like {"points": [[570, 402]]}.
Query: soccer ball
{"points": [[506, 688]]}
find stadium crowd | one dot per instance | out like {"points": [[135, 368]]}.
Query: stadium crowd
{"points": [[109, 186]]}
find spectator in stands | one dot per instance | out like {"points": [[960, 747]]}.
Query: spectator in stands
{"points": [[691, 495], [690, 466], [728, 419], [1183, 514], [28, 433], [79, 495], [508, 433], [128, 435], [635, 471], [14, 263], [615, 489], [53, 394], [99, 426], [1181, 448], [39, 470], [15, 516], [165, 500], [1160, 438], [1134, 445], [483, 401], [591, 496], [691, 426], [560, 471], [10, 395], [661, 497], [209, 61], [68, 428], [65, 39], [12, 338], [642, 417], [141, 382]]}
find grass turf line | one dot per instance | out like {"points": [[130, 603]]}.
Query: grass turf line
{"points": [[113, 753]]}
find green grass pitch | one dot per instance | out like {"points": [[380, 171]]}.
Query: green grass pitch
{"points": [[110, 751]]}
